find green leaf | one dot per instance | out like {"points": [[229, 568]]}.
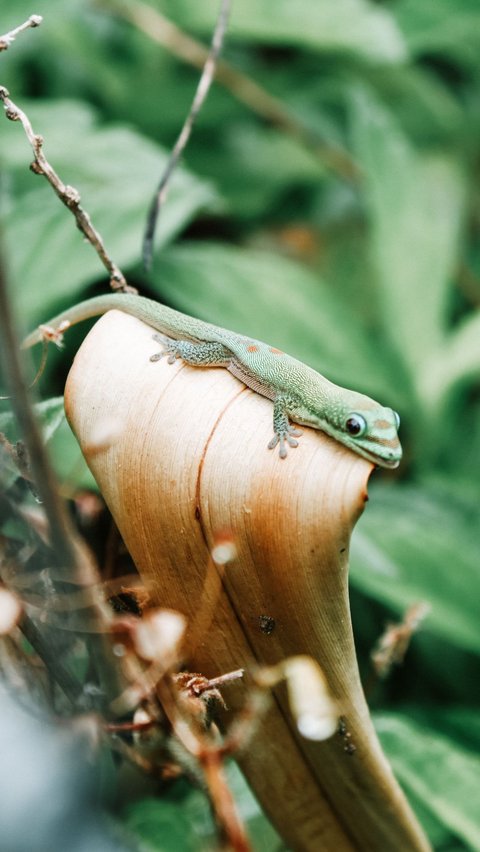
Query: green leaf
{"points": [[356, 26], [181, 820], [415, 204], [459, 363], [254, 164], [272, 298], [115, 170], [64, 451], [441, 26], [50, 414], [68, 461], [421, 544], [442, 775]]}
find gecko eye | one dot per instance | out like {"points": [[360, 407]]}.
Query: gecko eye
{"points": [[356, 425], [396, 417]]}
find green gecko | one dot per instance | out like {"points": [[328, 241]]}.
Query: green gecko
{"points": [[298, 392]]}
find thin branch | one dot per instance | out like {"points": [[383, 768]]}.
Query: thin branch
{"points": [[197, 103], [69, 196], [215, 682], [269, 108], [6, 40]]}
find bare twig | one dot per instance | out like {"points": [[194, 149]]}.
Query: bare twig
{"points": [[393, 644], [215, 682], [6, 40], [67, 194], [200, 95], [255, 97]]}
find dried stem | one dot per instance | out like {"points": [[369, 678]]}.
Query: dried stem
{"points": [[6, 40], [230, 827], [221, 680], [68, 195], [200, 95], [160, 29]]}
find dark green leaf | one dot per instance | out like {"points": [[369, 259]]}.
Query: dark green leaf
{"points": [[442, 775], [419, 544], [441, 26], [182, 821]]}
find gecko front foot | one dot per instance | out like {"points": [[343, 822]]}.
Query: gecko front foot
{"points": [[170, 348], [284, 433], [287, 434]]}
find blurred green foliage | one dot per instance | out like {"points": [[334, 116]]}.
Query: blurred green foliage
{"points": [[373, 278]]}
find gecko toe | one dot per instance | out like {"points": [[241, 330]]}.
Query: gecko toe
{"points": [[293, 431], [283, 438]]}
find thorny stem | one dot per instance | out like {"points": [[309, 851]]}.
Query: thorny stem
{"points": [[160, 29], [201, 93], [6, 40], [69, 196]]}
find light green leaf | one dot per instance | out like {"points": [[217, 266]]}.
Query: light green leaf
{"points": [[415, 205], [68, 461], [416, 544], [442, 775], [458, 363], [356, 26], [115, 171], [50, 414], [272, 298], [51, 417]]}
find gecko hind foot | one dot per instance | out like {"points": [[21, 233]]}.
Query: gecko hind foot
{"points": [[285, 435], [196, 354]]}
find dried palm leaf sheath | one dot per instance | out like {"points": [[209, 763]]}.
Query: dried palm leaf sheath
{"points": [[180, 454]]}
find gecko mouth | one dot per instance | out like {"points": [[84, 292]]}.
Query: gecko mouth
{"points": [[390, 463], [381, 461]]}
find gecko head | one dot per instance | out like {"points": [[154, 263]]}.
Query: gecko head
{"points": [[367, 428]]}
